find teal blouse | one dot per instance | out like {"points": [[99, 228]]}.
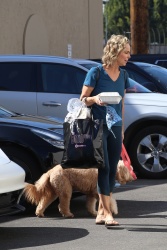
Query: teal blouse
{"points": [[101, 82]]}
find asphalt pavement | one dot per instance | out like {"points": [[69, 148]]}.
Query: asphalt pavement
{"points": [[142, 206]]}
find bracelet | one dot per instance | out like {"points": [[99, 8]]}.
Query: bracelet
{"points": [[84, 100]]}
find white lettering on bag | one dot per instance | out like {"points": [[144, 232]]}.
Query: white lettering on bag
{"points": [[79, 138]]}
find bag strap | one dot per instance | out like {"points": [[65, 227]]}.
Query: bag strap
{"points": [[97, 74]]}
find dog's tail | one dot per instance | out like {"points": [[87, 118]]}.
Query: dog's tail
{"points": [[33, 193]]}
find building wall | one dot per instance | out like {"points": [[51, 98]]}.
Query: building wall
{"points": [[54, 27]]}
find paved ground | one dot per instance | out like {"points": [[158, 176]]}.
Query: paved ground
{"points": [[142, 214]]}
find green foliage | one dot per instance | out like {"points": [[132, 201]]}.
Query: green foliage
{"points": [[158, 20], [118, 17]]}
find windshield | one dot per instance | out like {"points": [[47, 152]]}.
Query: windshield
{"points": [[135, 87], [157, 72]]}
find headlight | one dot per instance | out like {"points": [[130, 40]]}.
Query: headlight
{"points": [[55, 139]]}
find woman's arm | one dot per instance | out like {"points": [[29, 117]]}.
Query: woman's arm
{"points": [[89, 100]]}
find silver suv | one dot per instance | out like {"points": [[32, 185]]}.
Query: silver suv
{"points": [[39, 85], [42, 85]]}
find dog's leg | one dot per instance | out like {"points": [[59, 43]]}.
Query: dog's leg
{"points": [[91, 205], [113, 206], [65, 198], [44, 203]]}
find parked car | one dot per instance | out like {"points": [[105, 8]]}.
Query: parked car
{"points": [[35, 143], [43, 85], [28, 83], [158, 59], [146, 133], [151, 76], [12, 182], [162, 63]]}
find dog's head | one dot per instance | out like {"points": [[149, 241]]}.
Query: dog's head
{"points": [[123, 174]]}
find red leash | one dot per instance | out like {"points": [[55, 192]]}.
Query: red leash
{"points": [[127, 162]]}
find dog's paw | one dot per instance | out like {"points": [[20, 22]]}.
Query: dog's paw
{"points": [[40, 215], [68, 215]]}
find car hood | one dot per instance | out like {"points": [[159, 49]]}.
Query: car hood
{"points": [[12, 176], [3, 158], [33, 121], [149, 99]]}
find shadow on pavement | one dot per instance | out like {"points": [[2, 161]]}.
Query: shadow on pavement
{"points": [[15, 238]]}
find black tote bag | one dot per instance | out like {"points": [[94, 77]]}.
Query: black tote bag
{"points": [[83, 145]]}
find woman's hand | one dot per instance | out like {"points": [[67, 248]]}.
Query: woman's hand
{"points": [[98, 101]]}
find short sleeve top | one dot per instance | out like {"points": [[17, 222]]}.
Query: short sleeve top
{"points": [[98, 78]]}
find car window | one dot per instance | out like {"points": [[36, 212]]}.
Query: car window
{"points": [[60, 78], [17, 77], [136, 76], [157, 72], [142, 80], [135, 87]]}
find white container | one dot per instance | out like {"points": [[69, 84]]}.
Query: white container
{"points": [[110, 97]]}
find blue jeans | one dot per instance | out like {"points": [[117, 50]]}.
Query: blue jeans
{"points": [[112, 151]]}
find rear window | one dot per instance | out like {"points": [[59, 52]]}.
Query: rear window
{"points": [[60, 78], [17, 77]]}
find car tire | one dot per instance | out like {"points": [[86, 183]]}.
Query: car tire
{"points": [[148, 152], [25, 160]]}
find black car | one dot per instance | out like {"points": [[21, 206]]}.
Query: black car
{"points": [[150, 76], [35, 143]]}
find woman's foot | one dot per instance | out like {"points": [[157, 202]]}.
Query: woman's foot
{"points": [[100, 219], [111, 223]]}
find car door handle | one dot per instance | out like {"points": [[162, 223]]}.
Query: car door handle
{"points": [[51, 104]]}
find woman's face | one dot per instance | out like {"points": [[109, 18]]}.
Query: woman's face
{"points": [[124, 56]]}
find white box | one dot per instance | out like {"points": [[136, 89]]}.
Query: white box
{"points": [[110, 97]]}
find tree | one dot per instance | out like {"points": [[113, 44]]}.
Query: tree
{"points": [[139, 26], [118, 17], [157, 20]]}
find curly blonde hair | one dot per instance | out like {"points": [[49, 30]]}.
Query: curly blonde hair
{"points": [[114, 46]]}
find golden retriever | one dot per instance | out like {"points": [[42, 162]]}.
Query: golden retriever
{"points": [[60, 183]]}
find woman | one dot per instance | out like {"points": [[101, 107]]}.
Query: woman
{"points": [[108, 77]]}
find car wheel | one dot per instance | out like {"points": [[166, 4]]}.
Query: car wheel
{"points": [[148, 152], [25, 160]]}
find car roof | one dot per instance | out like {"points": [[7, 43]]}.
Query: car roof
{"points": [[142, 64], [39, 58], [85, 61]]}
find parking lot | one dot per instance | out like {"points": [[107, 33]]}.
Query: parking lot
{"points": [[142, 206]]}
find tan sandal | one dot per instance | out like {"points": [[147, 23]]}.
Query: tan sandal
{"points": [[111, 223]]}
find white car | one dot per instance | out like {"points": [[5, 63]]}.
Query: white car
{"points": [[43, 85], [146, 133], [12, 182]]}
